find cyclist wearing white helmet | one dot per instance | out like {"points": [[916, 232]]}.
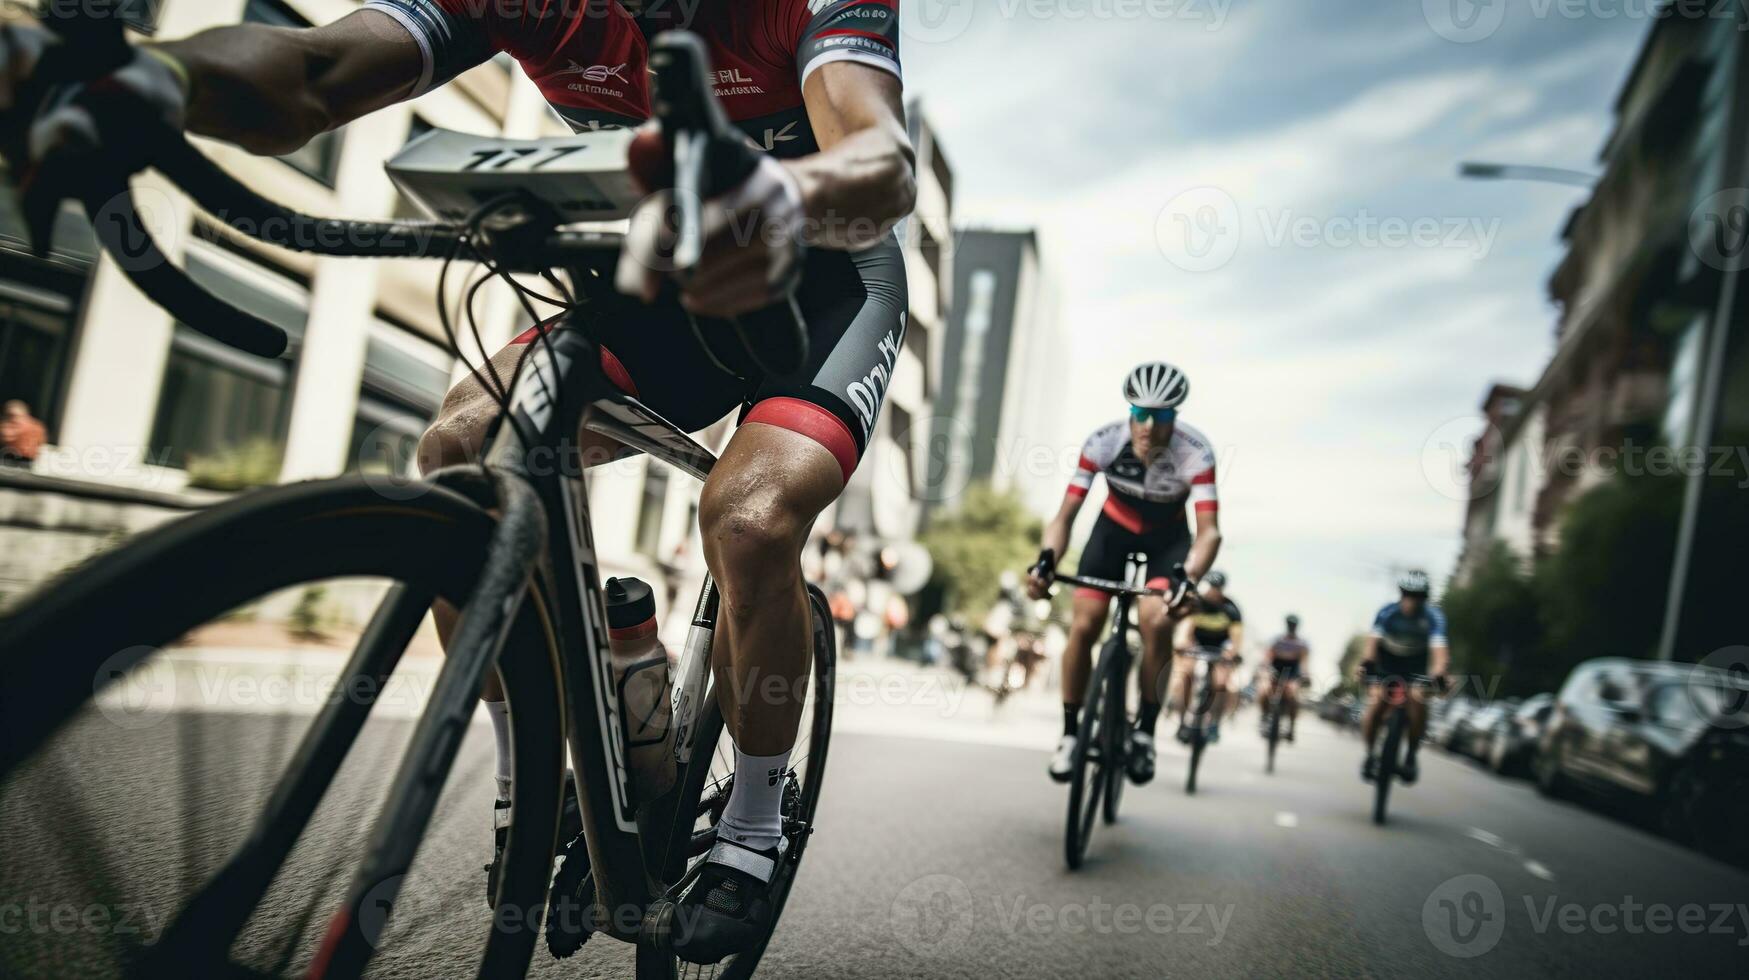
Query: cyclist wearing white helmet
{"points": [[1154, 465], [1408, 638]]}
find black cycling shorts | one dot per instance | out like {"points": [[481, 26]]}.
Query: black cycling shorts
{"points": [[855, 306], [1389, 665], [1285, 670], [1111, 544]]}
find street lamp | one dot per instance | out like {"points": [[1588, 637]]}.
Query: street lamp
{"points": [[1513, 171]]}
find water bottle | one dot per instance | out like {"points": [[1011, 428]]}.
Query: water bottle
{"points": [[640, 677]]}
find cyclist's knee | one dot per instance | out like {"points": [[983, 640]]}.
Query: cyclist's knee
{"points": [[753, 542]]}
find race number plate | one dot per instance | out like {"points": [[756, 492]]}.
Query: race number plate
{"points": [[582, 177]]}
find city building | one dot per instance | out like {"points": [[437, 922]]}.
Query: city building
{"points": [[1002, 354], [1649, 344]]}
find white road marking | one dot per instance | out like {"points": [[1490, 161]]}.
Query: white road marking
{"points": [[1492, 840], [1287, 819], [1535, 868]]}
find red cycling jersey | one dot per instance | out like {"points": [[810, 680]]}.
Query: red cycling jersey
{"points": [[1146, 495], [590, 57]]}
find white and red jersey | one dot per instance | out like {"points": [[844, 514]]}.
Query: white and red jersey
{"points": [[590, 58], [1145, 495]]}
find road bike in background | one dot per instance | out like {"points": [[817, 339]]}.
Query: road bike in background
{"points": [[1398, 691], [1101, 763]]}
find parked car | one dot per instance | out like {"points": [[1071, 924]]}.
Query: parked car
{"points": [[1471, 733], [1669, 738], [1511, 741], [1444, 718]]}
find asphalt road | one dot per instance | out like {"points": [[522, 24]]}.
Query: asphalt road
{"points": [[936, 856]]}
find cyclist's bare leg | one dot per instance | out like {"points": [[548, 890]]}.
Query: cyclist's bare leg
{"points": [[755, 514], [1290, 703], [1087, 618], [1156, 674], [1417, 707], [1369, 719]]}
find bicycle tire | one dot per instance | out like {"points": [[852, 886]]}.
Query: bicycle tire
{"points": [[1274, 734], [1117, 728], [1089, 773], [1387, 773], [681, 845], [315, 532]]}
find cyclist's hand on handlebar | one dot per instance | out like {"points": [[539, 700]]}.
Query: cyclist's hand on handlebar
{"points": [[79, 127], [752, 239], [1038, 577]]}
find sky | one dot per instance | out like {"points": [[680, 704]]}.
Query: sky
{"points": [[1266, 194]]}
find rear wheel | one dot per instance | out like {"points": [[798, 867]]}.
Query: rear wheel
{"points": [[1274, 733], [708, 779], [112, 619]]}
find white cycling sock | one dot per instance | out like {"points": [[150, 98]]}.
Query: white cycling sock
{"points": [[499, 712], [754, 816]]}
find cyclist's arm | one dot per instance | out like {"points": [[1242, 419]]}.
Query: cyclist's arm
{"points": [[864, 180], [1439, 645], [1056, 536], [272, 89], [1208, 543], [1236, 636]]}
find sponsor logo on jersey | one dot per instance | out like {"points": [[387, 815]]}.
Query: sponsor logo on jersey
{"points": [[598, 73]]}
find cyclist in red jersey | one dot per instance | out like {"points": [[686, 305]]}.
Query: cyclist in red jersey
{"points": [[1154, 465], [816, 83]]}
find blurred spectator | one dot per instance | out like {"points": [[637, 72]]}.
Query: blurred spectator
{"points": [[21, 435]]}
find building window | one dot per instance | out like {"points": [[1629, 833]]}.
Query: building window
{"points": [[222, 413], [34, 328], [319, 159], [405, 378], [650, 511]]}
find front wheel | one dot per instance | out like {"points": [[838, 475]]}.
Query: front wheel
{"points": [[1091, 769], [115, 618], [1387, 772]]}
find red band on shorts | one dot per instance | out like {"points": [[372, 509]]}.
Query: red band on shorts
{"points": [[1160, 582], [1083, 592], [809, 419]]}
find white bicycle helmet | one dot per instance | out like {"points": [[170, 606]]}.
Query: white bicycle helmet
{"points": [[1415, 583], [1156, 385]]}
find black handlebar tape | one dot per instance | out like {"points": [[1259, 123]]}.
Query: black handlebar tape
{"points": [[116, 219], [247, 212]]}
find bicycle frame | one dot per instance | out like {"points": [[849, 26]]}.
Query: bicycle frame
{"points": [[560, 391]]}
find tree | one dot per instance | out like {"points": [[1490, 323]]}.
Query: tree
{"points": [[1351, 654], [1496, 632], [989, 534], [1602, 592]]}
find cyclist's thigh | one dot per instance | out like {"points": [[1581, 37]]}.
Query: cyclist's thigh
{"points": [[1108, 546], [458, 433], [855, 307], [653, 354], [1166, 548]]}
